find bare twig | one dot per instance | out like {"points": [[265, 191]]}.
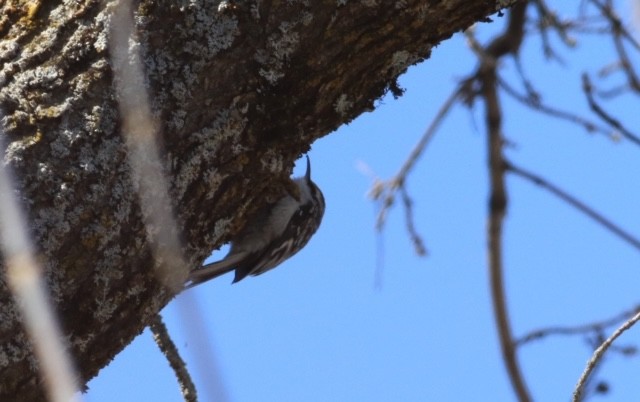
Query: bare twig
{"points": [[536, 104], [418, 150], [497, 211], [615, 22], [168, 348], [532, 93], [620, 34], [418, 244], [593, 327], [627, 66], [576, 203], [385, 191], [548, 20], [597, 109], [506, 43], [597, 356]]}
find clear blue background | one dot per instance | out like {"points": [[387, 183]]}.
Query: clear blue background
{"points": [[317, 329]]}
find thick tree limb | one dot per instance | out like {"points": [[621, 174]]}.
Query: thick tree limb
{"points": [[238, 89]]}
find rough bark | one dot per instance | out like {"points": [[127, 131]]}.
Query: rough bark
{"points": [[239, 89]]}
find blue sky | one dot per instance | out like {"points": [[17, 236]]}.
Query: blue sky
{"points": [[317, 329]]}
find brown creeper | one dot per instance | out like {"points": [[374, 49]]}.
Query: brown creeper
{"points": [[278, 231]]}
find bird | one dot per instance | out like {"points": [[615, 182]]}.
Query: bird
{"points": [[277, 231]]}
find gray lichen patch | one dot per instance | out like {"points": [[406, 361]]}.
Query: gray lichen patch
{"points": [[193, 45]]}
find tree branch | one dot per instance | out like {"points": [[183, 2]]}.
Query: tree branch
{"points": [[385, 190], [168, 348], [537, 105], [579, 205], [597, 356], [587, 88], [594, 327], [506, 43]]}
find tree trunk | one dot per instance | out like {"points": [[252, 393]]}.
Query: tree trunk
{"points": [[239, 90]]}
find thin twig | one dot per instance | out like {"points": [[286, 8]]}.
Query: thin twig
{"points": [[426, 137], [615, 21], [168, 348], [532, 93], [597, 109], [627, 66], [536, 104], [576, 203], [619, 33], [548, 20], [385, 190], [597, 356], [594, 327], [416, 239]]}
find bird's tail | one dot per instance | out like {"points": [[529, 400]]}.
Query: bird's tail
{"points": [[210, 271]]}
